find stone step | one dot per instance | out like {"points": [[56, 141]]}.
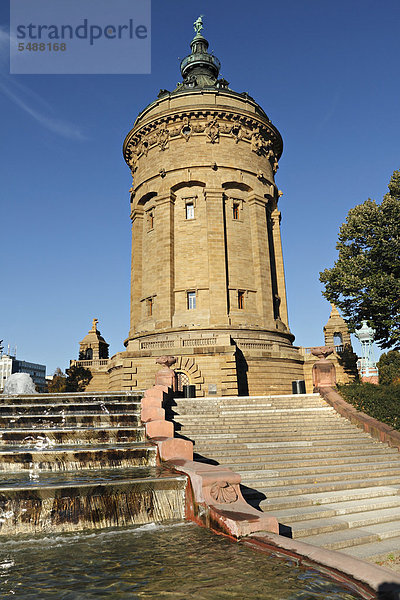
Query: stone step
{"points": [[366, 519], [373, 517], [353, 537], [230, 440], [298, 457], [385, 530], [85, 436], [332, 509], [256, 435], [252, 411], [277, 413], [323, 410], [321, 470], [261, 422], [60, 459], [342, 539], [256, 462], [255, 469], [309, 488], [199, 403], [302, 529], [250, 431], [268, 479], [375, 551], [318, 499]]}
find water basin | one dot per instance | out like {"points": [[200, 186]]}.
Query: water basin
{"points": [[175, 562]]}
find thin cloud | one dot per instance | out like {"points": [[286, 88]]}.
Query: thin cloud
{"points": [[331, 109], [31, 103]]}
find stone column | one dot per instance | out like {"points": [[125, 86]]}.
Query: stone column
{"points": [[261, 259], [280, 273], [136, 268], [217, 265], [165, 301]]}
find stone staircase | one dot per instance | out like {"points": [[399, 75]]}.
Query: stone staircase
{"points": [[78, 461], [327, 482]]}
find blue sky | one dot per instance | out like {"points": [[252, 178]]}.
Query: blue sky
{"points": [[326, 73]]}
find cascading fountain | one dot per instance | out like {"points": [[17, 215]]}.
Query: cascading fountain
{"points": [[70, 462]]}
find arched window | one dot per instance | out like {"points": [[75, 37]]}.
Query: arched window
{"points": [[338, 342], [182, 379], [89, 354], [337, 339]]}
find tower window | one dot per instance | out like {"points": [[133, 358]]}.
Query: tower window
{"points": [[191, 300], [150, 219], [189, 210], [149, 303], [235, 211], [241, 300]]}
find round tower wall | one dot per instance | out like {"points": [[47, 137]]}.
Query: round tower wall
{"points": [[202, 197]]}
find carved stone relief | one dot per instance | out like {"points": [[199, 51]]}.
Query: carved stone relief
{"points": [[212, 129], [186, 130], [133, 158], [223, 492], [237, 132], [257, 142], [163, 138], [144, 148]]}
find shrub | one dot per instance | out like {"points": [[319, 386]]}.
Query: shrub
{"points": [[389, 367], [382, 402]]}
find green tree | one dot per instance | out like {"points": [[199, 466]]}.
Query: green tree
{"points": [[389, 367], [365, 280], [77, 378], [59, 382]]}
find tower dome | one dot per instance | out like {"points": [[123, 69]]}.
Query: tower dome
{"points": [[200, 68]]}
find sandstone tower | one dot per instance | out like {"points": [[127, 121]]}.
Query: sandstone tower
{"points": [[207, 279]]}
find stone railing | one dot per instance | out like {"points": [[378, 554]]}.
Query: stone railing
{"points": [[189, 342], [255, 345], [338, 349], [199, 342], [156, 345], [96, 362]]}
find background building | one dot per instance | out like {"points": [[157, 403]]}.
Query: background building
{"points": [[10, 364], [93, 355]]}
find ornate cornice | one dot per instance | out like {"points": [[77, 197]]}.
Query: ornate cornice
{"points": [[211, 124]]}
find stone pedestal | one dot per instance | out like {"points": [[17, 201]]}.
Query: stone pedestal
{"points": [[324, 373], [166, 376]]}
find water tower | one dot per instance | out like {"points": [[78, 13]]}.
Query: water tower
{"points": [[208, 284]]}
